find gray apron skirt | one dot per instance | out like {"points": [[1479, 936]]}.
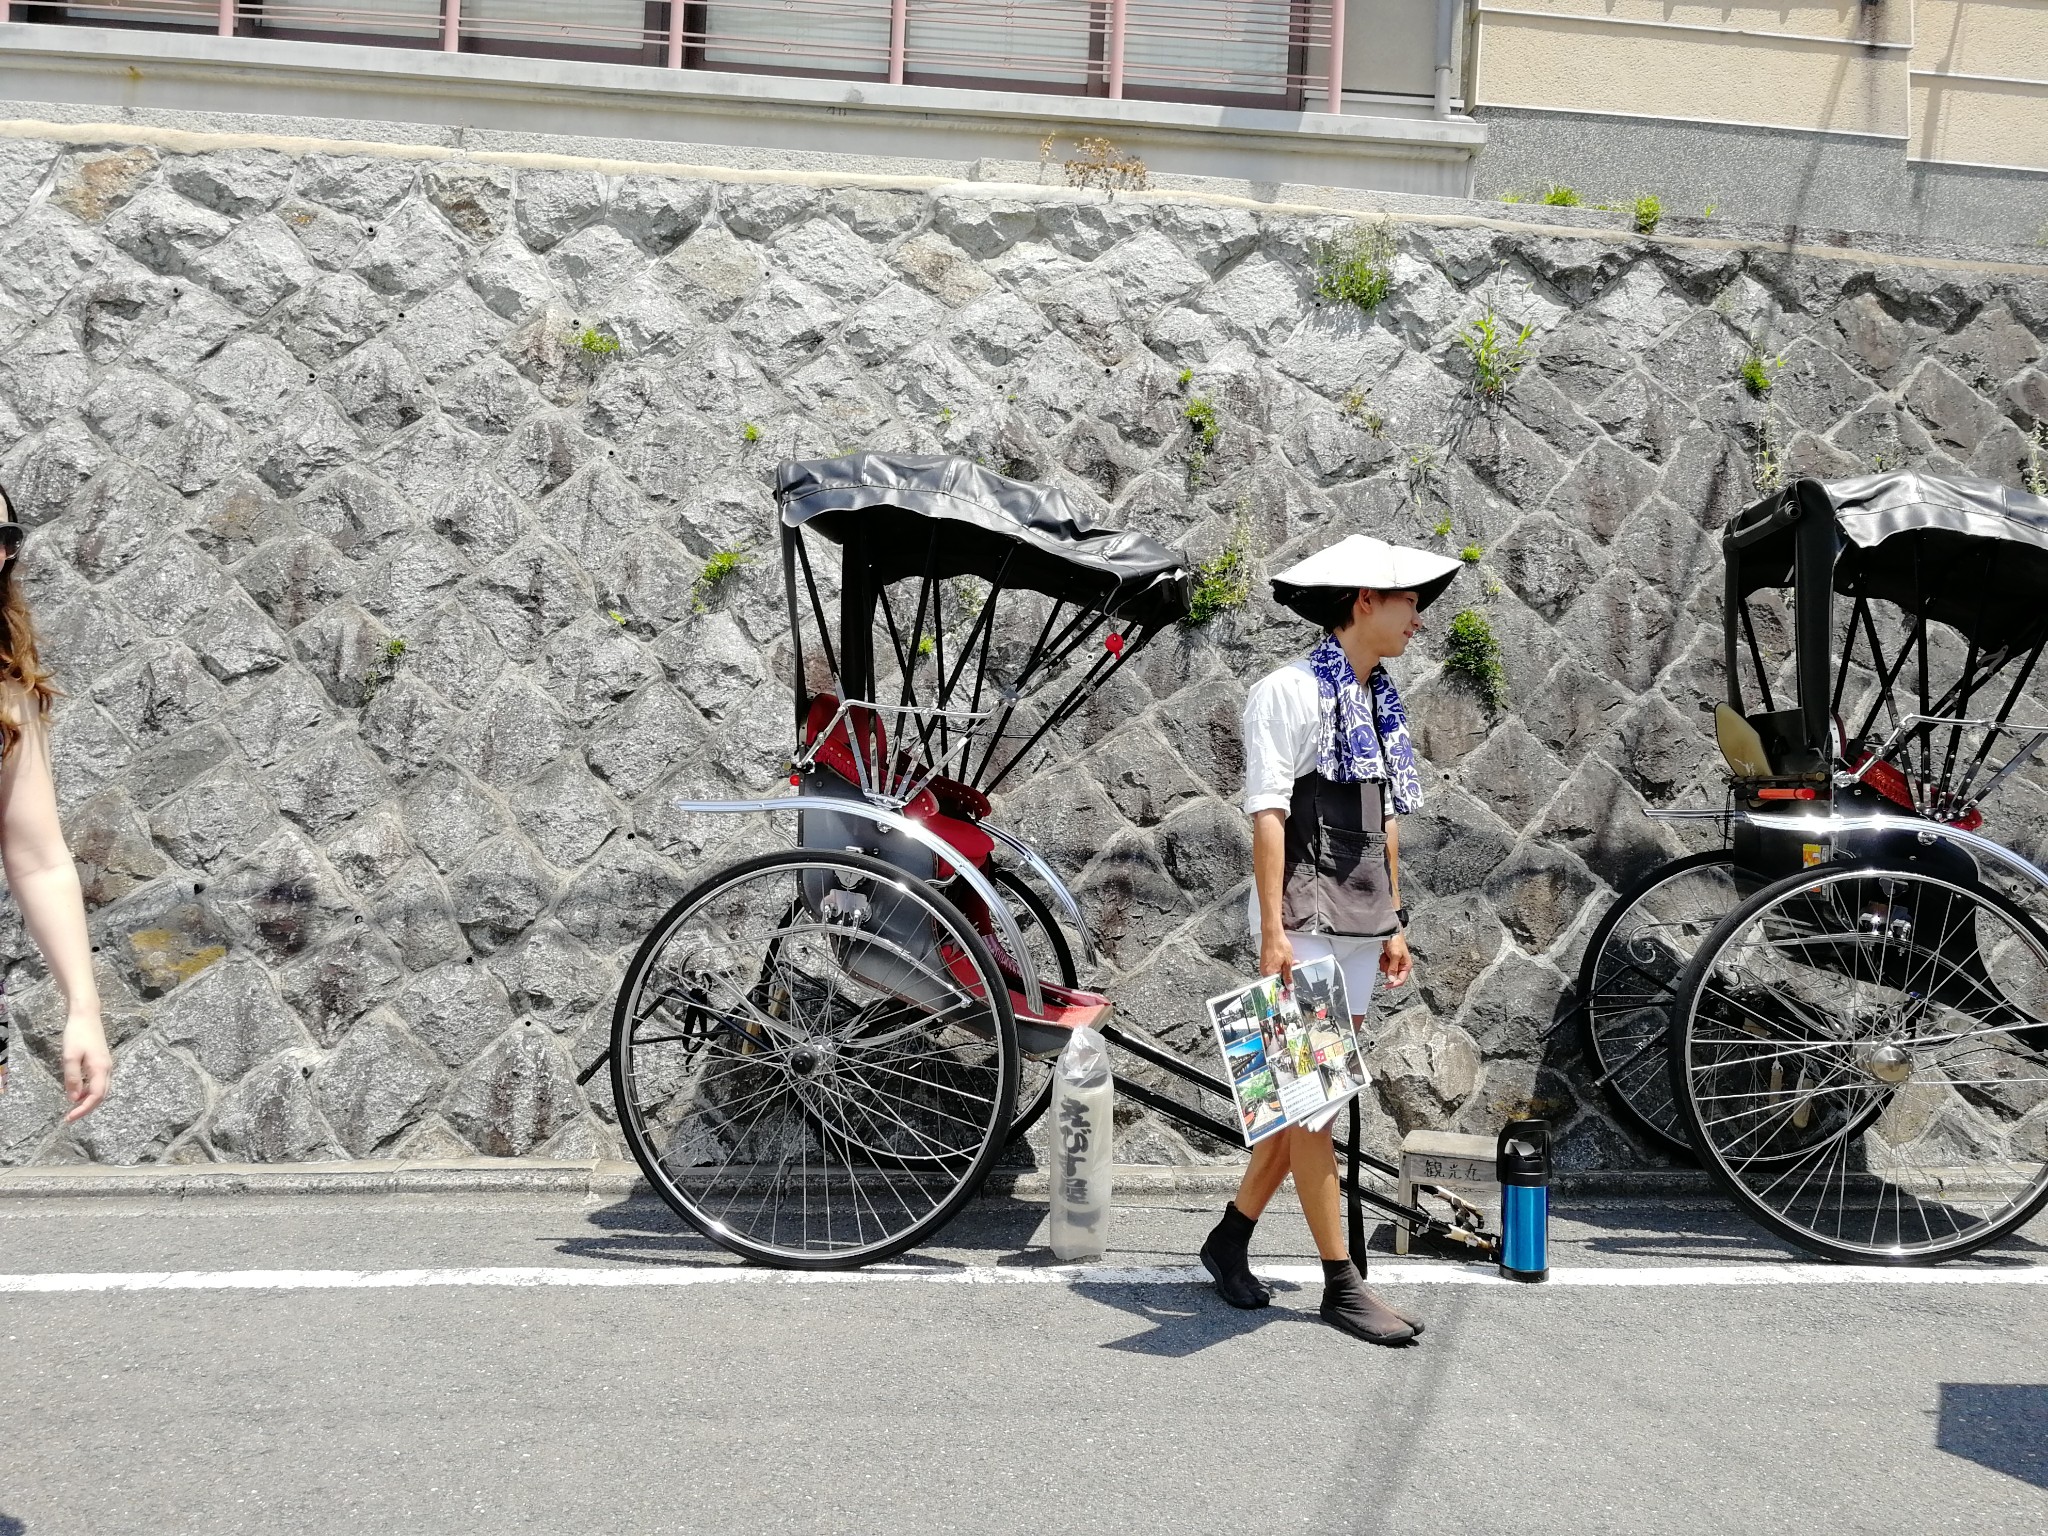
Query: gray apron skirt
{"points": [[1336, 878]]}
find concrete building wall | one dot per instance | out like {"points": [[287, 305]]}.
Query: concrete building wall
{"points": [[855, 126], [1980, 83], [1628, 65], [269, 404], [1925, 117]]}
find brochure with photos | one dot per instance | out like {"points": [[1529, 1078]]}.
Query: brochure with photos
{"points": [[1292, 1053]]}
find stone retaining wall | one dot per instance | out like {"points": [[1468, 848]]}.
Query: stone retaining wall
{"points": [[272, 410]]}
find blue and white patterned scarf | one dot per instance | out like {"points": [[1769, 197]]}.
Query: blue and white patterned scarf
{"points": [[1364, 729]]}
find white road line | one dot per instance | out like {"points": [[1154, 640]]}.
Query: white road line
{"points": [[1065, 1274]]}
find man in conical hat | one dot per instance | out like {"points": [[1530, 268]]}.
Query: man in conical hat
{"points": [[1328, 767]]}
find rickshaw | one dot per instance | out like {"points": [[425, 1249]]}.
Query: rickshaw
{"points": [[819, 1052], [1841, 1011]]}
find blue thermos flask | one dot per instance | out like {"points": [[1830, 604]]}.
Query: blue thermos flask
{"points": [[1522, 1161]]}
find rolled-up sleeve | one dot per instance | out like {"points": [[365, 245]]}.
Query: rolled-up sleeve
{"points": [[1279, 726]]}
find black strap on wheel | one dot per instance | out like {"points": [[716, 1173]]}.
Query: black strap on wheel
{"points": [[1356, 1211]]}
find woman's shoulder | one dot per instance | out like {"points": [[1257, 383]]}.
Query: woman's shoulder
{"points": [[21, 710]]}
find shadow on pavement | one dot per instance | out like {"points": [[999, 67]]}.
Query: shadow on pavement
{"points": [[1694, 1232], [2001, 1427], [639, 1232], [646, 1231], [9, 1526], [1183, 1322]]}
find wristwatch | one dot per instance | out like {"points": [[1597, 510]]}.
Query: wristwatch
{"points": [[1401, 917]]}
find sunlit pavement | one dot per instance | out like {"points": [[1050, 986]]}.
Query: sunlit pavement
{"points": [[1112, 1403]]}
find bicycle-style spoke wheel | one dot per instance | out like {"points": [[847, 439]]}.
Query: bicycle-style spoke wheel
{"points": [[1629, 978], [1054, 957], [1862, 1060], [814, 1059]]}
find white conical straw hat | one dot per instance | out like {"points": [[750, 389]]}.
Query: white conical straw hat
{"points": [[1363, 561]]}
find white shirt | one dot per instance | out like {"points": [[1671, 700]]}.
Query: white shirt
{"points": [[1282, 722], [1282, 727]]}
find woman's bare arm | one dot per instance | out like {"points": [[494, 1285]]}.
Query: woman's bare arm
{"points": [[44, 882]]}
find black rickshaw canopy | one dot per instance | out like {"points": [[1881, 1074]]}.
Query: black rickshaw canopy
{"points": [[925, 520], [904, 515], [1965, 554], [1971, 554]]}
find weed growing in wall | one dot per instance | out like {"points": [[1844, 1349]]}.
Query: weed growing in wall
{"points": [[1472, 655], [1422, 473], [1758, 373], [718, 568], [1471, 554], [1496, 356], [1648, 213], [386, 668], [596, 342], [750, 434], [2036, 472], [1357, 267], [1225, 581], [1204, 432], [1764, 466], [1556, 196], [1100, 165], [1356, 406]]}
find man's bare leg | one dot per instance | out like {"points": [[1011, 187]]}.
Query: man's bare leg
{"points": [[1347, 1304], [1313, 1157], [1226, 1251], [1264, 1175]]}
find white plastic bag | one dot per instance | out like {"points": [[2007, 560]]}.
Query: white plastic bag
{"points": [[1083, 1137]]}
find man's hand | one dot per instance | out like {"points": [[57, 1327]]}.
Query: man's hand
{"points": [[88, 1065], [1276, 956], [1396, 964]]}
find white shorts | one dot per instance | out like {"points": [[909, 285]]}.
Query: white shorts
{"points": [[1358, 959]]}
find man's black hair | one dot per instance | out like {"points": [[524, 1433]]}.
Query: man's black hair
{"points": [[1330, 607]]}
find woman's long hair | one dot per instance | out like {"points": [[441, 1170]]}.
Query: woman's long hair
{"points": [[22, 673]]}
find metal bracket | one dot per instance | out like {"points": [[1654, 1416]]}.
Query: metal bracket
{"points": [[999, 910]]}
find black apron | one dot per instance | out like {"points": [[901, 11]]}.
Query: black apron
{"points": [[1336, 879]]}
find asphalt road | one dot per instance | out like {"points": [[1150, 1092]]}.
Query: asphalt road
{"points": [[894, 1405]]}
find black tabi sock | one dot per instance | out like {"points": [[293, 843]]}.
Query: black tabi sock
{"points": [[1225, 1256], [1351, 1308]]}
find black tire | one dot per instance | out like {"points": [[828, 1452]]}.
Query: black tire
{"points": [[1034, 1086], [1624, 1036], [825, 1044], [1779, 1064]]}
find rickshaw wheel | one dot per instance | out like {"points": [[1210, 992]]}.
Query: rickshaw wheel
{"points": [[1639, 950], [1054, 957], [1861, 1060], [814, 1059]]}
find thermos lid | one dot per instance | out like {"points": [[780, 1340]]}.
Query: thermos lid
{"points": [[1523, 1156]]}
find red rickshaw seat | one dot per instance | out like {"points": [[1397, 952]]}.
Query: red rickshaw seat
{"points": [[948, 808]]}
